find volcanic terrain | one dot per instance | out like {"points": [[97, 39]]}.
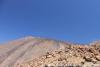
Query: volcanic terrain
{"points": [[41, 52]]}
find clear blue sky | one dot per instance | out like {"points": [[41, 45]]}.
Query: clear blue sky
{"points": [[72, 20]]}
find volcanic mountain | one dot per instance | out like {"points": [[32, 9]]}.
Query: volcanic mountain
{"points": [[41, 52]]}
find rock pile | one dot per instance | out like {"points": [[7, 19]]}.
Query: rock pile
{"points": [[70, 56]]}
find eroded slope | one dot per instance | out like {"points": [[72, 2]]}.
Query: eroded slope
{"points": [[37, 52]]}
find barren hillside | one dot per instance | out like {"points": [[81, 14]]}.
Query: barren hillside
{"points": [[38, 52]]}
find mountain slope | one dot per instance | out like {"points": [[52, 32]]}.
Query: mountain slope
{"points": [[38, 52]]}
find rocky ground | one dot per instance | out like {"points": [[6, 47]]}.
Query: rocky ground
{"points": [[70, 56], [51, 53]]}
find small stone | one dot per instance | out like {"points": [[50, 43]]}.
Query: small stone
{"points": [[98, 58], [88, 59], [93, 60], [49, 56]]}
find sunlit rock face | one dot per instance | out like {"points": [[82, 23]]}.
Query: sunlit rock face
{"points": [[38, 52]]}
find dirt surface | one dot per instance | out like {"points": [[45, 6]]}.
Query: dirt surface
{"points": [[38, 52]]}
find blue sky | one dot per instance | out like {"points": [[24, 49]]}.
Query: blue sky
{"points": [[70, 20]]}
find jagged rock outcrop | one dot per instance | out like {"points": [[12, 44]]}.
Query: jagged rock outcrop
{"points": [[37, 52]]}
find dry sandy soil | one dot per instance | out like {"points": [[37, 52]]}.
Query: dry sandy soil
{"points": [[38, 52]]}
